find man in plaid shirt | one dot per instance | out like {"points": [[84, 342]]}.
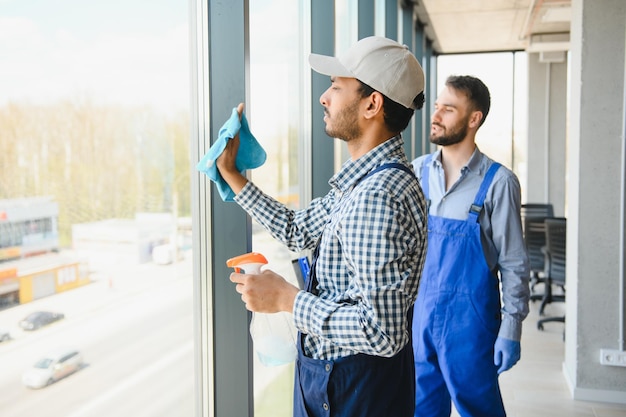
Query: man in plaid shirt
{"points": [[355, 356]]}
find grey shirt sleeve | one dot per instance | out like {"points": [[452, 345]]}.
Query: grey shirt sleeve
{"points": [[505, 251]]}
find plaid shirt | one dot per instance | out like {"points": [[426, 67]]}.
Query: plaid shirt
{"points": [[371, 254]]}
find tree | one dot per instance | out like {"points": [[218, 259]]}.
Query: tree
{"points": [[98, 162]]}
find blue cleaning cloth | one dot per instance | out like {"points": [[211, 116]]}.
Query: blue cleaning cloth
{"points": [[250, 154]]}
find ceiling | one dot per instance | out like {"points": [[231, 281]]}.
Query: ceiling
{"points": [[463, 26]]}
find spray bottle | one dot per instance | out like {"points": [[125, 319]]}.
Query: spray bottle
{"points": [[273, 334]]}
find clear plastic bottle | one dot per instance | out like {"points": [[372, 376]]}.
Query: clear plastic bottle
{"points": [[274, 335]]}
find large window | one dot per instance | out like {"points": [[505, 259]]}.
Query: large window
{"points": [[94, 119], [278, 119]]}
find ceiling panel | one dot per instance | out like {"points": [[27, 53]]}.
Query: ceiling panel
{"points": [[461, 26]]}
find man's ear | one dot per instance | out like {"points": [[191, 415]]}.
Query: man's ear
{"points": [[373, 104], [475, 119]]}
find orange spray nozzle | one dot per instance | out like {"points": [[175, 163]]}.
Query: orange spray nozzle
{"points": [[252, 258]]}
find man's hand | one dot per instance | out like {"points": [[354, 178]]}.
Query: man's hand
{"points": [[506, 354], [266, 292], [225, 163]]}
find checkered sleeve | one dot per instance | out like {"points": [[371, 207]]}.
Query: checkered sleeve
{"points": [[297, 229]]}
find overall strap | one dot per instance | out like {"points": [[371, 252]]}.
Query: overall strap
{"points": [[390, 165], [479, 200], [311, 279]]}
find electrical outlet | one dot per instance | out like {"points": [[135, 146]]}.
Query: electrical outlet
{"points": [[613, 357]]}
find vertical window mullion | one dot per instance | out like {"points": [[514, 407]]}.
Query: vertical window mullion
{"points": [[220, 229]]}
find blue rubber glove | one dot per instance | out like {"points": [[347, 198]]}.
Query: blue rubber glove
{"points": [[506, 353]]}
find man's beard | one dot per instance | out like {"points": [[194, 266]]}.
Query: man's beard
{"points": [[345, 124], [453, 137]]}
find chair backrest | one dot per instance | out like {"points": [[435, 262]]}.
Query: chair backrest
{"points": [[556, 232], [535, 240], [537, 210], [533, 215]]}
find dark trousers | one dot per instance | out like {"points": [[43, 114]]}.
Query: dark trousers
{"points": [[355, 386]]}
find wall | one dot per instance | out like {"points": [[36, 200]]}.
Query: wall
{"points": [[593, 191]]}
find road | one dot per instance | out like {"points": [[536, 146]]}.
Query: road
{"points": [[134, 327]]}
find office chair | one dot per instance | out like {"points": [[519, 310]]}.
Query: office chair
{"points": [[537, 210], [556, 231], [533, 215]]}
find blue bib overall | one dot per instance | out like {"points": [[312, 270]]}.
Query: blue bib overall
{"points": [[456, 318], [358, 385]]}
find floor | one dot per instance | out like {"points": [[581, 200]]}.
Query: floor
{"points": [[536, 387]]}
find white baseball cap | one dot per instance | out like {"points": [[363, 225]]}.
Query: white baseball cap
{"points": [[383, 64]]}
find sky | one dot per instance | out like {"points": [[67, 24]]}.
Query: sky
{"points": [[130, 52]]}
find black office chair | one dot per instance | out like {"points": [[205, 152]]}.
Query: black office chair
{"points": [[533, 215], [537, 210], [556, 231]]}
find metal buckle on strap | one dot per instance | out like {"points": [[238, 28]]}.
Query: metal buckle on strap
{"points": [[475, 209]]}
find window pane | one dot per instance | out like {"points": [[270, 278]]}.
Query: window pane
{"points": [[520, 119], [276, 115], [495, 137], [94, 209], [346, 35]]}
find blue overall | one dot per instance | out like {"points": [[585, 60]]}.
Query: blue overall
{"points": [[357, 385], [456, 318]]}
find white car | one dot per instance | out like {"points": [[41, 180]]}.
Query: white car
{"points": [[52, 367], [4, 335]]}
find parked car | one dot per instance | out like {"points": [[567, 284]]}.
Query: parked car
{"points": [[52, 367], [4, 335], [39, 318]]}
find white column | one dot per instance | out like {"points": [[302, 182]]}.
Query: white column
{"points": [[593, 194]]}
